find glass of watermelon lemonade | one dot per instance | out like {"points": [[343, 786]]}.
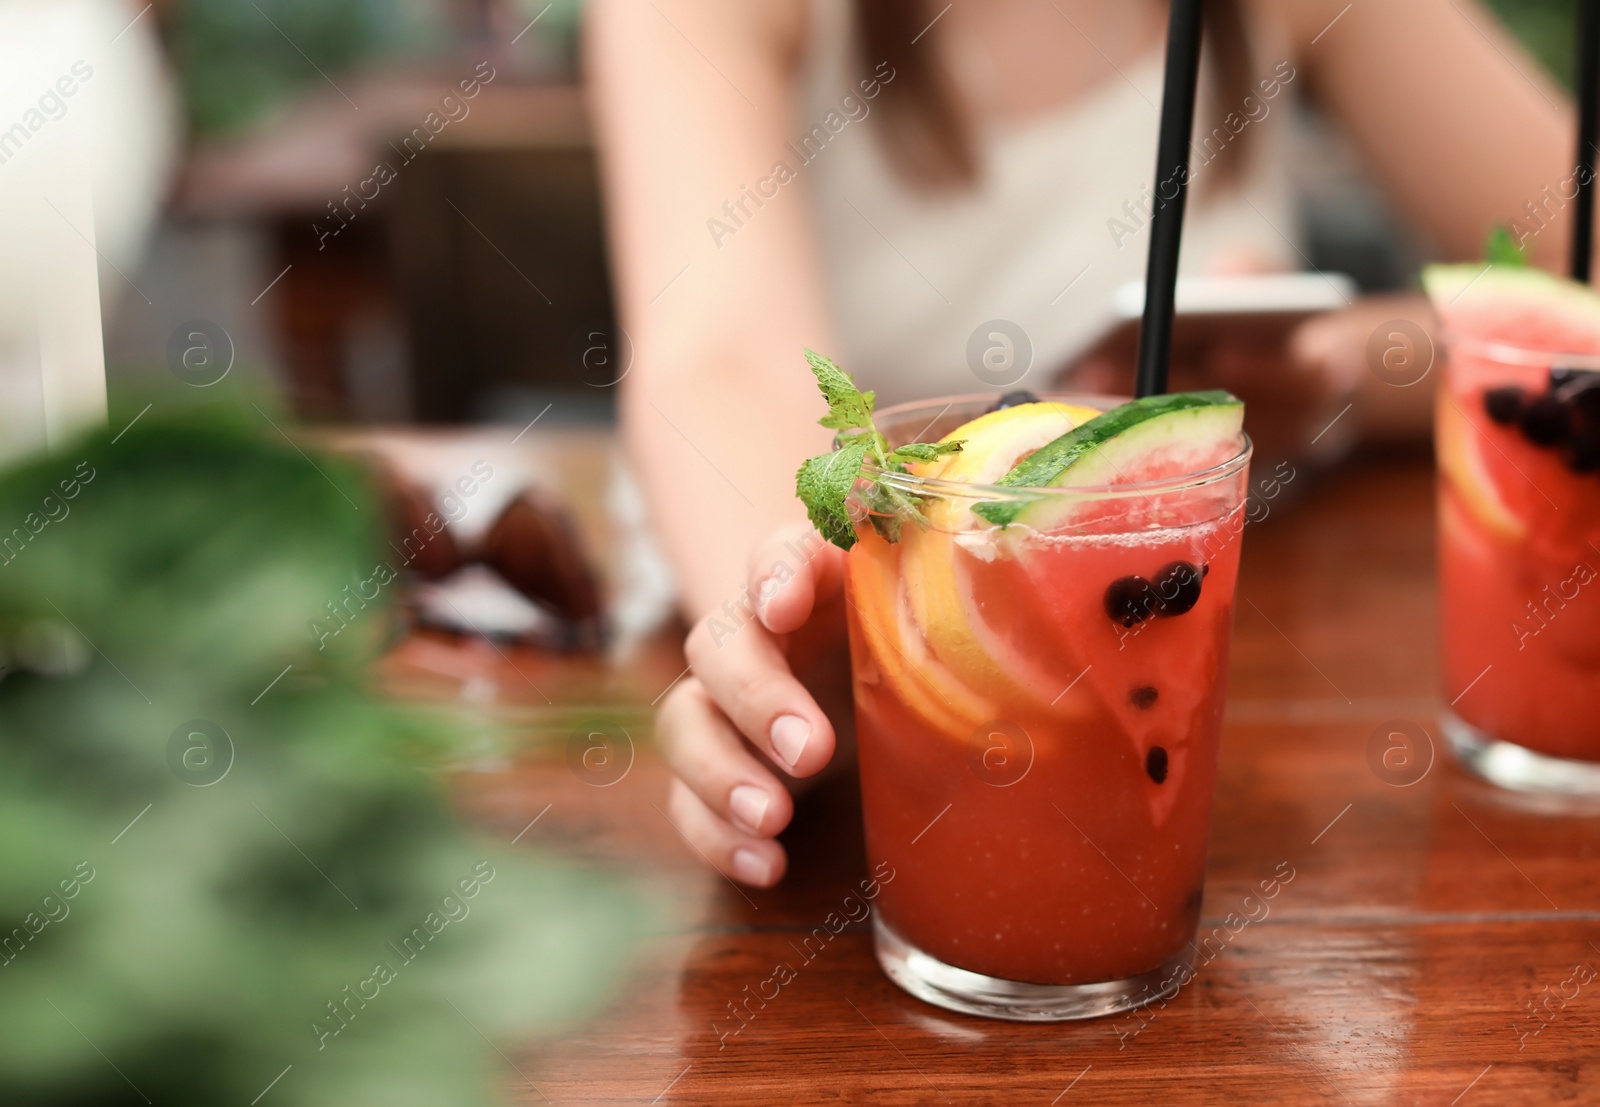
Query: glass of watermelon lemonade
{"points": [[1518, 442], [1039, 677]]}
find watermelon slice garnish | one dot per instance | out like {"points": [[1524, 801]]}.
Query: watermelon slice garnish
{"points": [[1521, 307], [1152, 439], [1157, 681]]}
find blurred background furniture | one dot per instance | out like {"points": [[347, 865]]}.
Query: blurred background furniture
{"points": [[469, 284], [474, 287]]}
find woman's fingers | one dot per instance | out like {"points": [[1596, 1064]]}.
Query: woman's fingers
{"points": [[1385, 347], [757, 861], [707, 754], [747, 675], [743, 694], [790, 573], [1387, 337]]}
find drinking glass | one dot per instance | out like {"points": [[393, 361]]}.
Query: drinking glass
{"points": [[1038, 711], [1518, 440]]}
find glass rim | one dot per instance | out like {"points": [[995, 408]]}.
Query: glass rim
{"points": [[963, 490], [1510, 353]]}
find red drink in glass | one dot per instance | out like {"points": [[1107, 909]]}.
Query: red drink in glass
{"points": [[1038, 710], [1518, 433]]}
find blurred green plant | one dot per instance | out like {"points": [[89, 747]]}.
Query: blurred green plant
{"points": [[558, 19], [1548, 28], [239, 61], [220, 865]]}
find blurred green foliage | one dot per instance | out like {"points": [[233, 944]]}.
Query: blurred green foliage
{"points": [[174, 937], [240, 61], [1546, 28]]}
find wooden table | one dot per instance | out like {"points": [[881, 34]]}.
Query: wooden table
{"points": [[1403, 961]]}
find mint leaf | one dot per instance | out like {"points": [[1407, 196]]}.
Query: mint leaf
{"points": [[883, 513], [848, 407], [824, 484], [1502, 249], [925, 451]]}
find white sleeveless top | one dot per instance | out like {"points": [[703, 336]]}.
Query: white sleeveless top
{"points": [[1051, 229]]}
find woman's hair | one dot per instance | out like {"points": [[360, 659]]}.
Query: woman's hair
{"points": [[927, 135]]}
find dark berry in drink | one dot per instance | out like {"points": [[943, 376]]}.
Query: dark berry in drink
{"points": [[1143, 697], [1503, 405], [1583, 453], [1584, 396], [1178, 589], [1545, 421], [1131, 600], [1155, 763], [1014, 399]]}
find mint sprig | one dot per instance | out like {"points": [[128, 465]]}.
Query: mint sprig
{"points": [[824, 483], [1502, 249]]}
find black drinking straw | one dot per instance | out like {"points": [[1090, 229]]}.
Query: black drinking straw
{"points": [[1588, 131], [1172, 186]]}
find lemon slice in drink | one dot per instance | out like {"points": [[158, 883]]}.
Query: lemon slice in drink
{"points": [[931, 559], [992, 444], [1459, 446]]}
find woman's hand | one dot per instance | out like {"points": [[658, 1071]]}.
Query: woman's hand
{"points": [[1378, 356], [749, 722], [1385, 351]]}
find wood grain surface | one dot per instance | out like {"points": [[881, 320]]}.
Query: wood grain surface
{"points": [[1438, 941]]}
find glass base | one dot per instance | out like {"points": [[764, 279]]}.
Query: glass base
{"points": [[971, 993], [1515, 767]]}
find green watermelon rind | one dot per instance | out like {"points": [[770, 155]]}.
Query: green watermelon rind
{"points": [[1500, 304], [1106, 449]]}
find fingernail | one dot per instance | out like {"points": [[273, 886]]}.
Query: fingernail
{"points": [[748, 804], [750, 868], [789, 736]]}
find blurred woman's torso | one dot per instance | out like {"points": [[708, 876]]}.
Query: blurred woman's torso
{"points": [[1058, 217]]}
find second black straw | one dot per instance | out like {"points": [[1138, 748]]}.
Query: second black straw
{"points": [[1588, 89]]}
